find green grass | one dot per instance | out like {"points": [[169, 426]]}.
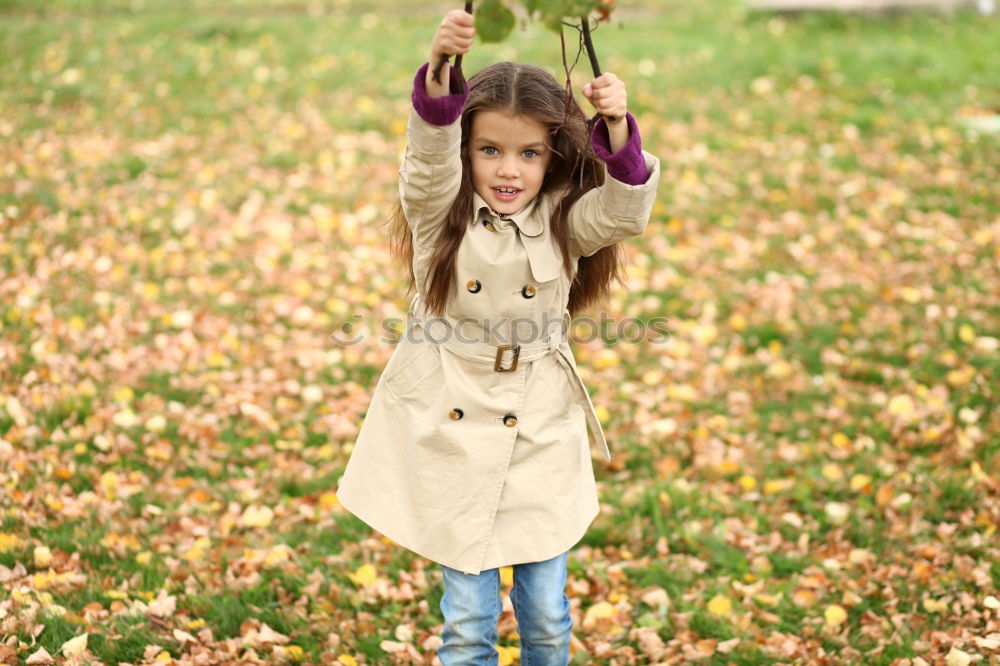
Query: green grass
{"points": [[814, 167]]}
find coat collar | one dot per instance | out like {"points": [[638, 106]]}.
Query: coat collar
{"points": [[528, 224], [539, 244]]}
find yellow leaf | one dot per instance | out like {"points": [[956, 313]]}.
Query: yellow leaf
{"points": [[277, 554], [505, 657], [720, 605], [123, 394], [607, 358], [652, 377], [780, 369], [226, 523], [109, 480], [164, 656], [43, 580], [910, 294], [961, 376], [832, 472], [197, 550], [860, 481], [347, 660], [901, 405], [776, 486], [841, 441], [507, 576], [682, 392], [600, 610], [935, 606], [328, 500], [257, 516], [704, 334], [748, 483], [295, 652], [364, 576], [967, 334], [217, 359], [767, 599], [835, 615], [43, 557], [727, 467], [74, 646]]}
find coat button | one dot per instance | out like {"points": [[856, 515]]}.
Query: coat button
{"points": [[456, 414], [489, 225], [474, 286], [510, 420], [528, 291]]}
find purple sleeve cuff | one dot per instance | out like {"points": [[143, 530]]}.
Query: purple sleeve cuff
{"points": [[438, 110], [627, 165]]}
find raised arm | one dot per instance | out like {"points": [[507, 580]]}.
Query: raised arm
{"points": [[432, 168], [620, 208]]}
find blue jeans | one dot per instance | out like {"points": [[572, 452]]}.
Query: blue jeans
{"points": [[471, 607]]}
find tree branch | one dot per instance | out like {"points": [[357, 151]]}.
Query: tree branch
{"points": [[436, 75], [594, 65]]}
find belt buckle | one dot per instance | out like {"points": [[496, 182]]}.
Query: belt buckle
{"points": [[513, 365]]}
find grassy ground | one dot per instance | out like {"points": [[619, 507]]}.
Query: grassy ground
{"points": [[806, 472]]}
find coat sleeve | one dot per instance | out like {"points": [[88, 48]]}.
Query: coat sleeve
{"points": [[431, 172], [620, 208]]}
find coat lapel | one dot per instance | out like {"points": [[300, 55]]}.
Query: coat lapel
{"points": [[534, 233]]}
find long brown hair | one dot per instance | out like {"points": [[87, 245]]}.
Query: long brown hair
{"points": [[529, 90]]}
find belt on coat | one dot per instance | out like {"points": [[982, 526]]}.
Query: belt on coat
{"points": [[505, 359]]}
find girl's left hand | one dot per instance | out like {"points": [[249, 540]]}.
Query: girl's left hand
{"points": [[607, 94]]}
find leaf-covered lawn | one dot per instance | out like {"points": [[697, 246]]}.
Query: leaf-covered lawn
{"points": [[806, 470]]}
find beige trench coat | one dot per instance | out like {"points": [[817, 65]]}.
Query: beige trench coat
{"points": [[468, 466]]}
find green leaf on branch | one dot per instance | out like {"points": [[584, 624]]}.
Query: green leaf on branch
{"points": [[494, 22], [553, 12]]}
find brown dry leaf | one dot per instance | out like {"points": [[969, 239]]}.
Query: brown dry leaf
{"points": [[40, 657]]}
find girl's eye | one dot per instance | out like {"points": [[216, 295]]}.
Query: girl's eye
{"points": [[489, 150], [530, 153]]}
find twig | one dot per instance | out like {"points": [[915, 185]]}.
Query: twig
{"points": [[458, 60], [589, 43]]}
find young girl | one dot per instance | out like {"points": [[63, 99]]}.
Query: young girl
{"points": [[474, 450]]}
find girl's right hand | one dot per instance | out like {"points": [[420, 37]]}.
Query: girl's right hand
{"points": [[454, 36]]}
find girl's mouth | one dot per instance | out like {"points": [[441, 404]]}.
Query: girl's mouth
{"points": [[506, 193]]}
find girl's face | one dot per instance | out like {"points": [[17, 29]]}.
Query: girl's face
{"points": [[509, 155]]}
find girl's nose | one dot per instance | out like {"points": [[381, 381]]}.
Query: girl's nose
{"points": [[507, 168]]}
